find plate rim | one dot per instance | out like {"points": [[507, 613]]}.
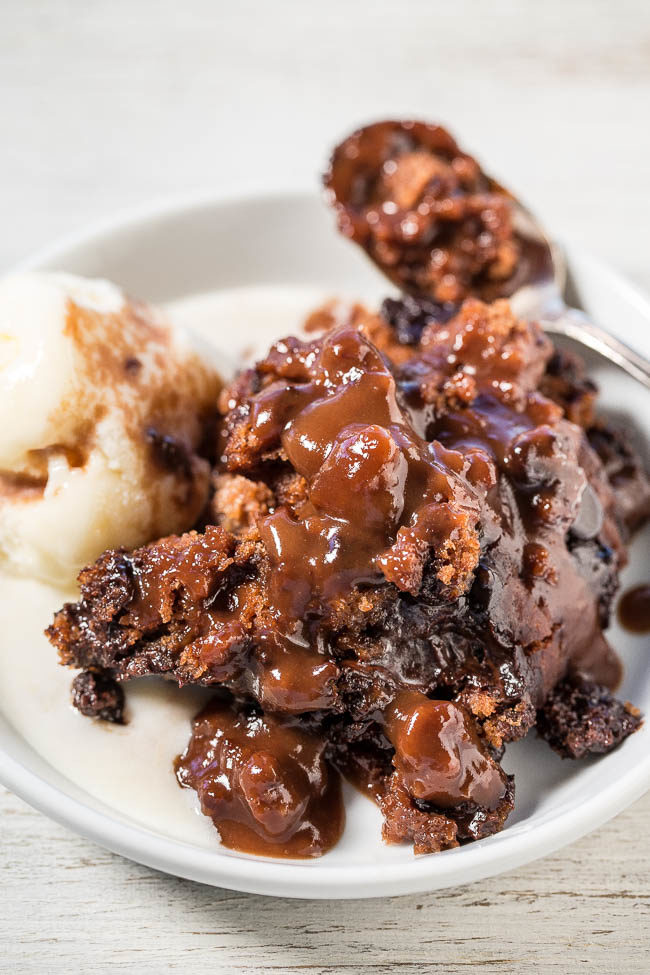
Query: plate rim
{"points": [[291, 878]]}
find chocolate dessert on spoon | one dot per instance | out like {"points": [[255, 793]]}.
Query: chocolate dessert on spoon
{"points": [[441, 229]]}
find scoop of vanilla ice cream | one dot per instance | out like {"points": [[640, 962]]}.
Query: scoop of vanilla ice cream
{"points": [[103, 407]]}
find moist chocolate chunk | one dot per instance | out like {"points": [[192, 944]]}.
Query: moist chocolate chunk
{"points": [[582, 718], [409, 546], [97, 695]]}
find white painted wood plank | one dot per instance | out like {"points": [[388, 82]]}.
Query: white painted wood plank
{"points": [[67, 905]]}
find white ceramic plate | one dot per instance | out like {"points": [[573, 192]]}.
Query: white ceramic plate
{"points": [[171, 251]]}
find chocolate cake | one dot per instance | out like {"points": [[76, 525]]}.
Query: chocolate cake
{"points": [[408, 561]]}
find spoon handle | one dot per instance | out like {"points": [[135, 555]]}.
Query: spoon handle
{"points": [[575, 325]]}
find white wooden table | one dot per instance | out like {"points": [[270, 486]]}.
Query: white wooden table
{"points": [[108, 104]]}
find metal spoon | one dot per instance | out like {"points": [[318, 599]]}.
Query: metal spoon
{"points": [[541, 297]]}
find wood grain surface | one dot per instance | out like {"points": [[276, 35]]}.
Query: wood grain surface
{"points": [[69, 906], [108, 104]]}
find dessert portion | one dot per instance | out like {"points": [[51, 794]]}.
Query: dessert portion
{"points": [[104, 414], [389, 549], [408, 560], [428, 216]]}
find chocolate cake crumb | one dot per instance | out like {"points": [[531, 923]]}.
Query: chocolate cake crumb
{"points": [[582, 718], [98, 695]]}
